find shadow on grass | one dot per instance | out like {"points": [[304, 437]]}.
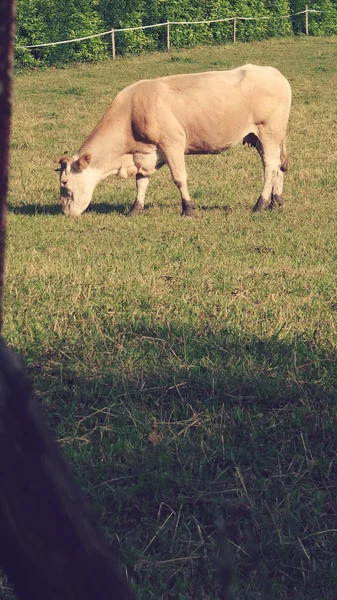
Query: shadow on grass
{"points": [[106, 208], [181, 430], [35, 209], [55, 209], [225, 208]]}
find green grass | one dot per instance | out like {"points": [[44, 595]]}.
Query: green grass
{"points": [[188, 367]]}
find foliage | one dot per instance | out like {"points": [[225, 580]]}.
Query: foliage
{"points": [[326, 23], [319, 24], [41, 21]]}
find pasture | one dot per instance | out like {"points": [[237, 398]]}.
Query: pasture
{"points": [[188, 367]]}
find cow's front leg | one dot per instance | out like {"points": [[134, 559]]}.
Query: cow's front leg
{"points": [[175, 159], [142, 181]]}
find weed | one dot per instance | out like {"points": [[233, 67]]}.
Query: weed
{"points": [[183, 59]]}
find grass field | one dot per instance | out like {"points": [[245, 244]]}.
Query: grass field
{"points": [[188, 367]]}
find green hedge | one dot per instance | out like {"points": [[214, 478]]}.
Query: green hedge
{"points": [[320, 24], [40, 21]]}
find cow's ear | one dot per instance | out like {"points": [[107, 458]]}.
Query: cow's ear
{"points": [[83, 162], [65, 164]]}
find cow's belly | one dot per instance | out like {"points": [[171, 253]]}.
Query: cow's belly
{"points": [[221, 124], [214, 140]]}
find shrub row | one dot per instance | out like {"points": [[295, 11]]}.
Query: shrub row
{"points": [[40, 21]]}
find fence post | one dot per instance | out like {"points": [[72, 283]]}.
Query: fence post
{"points": [[306, 19], [168, 36], [234, 30], [113, 44]]}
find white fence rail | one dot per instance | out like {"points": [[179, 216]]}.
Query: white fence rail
{"points": [[235, 19]]}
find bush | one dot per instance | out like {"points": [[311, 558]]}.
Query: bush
{"points": [[41, 21], [326, 23]]}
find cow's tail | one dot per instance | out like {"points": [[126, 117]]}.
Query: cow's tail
{"points": [[284, 156]]}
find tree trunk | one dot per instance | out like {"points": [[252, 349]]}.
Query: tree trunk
{"points": [[50, 544]]}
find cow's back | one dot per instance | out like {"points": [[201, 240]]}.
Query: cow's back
{"points": [[247, 81]]}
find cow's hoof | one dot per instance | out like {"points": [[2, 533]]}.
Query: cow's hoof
{"points": [[188, 212], [135, 211], [261, 204], [188, 209], [276, 201]]}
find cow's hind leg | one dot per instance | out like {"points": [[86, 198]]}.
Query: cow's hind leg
{"points": [[276, 197], [270, 155], [142, 181], [175, 159]]}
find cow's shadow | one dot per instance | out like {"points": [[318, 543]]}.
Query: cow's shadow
{"points": [[106, 208], [34, 209], [54, 209]]}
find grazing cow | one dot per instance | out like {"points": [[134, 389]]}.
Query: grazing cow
{"points": [[157, 121]]}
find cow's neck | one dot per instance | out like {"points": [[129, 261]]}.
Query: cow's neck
{"points": [[110, 143]]}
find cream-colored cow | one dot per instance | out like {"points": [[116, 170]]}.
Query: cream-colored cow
{"points": [[157, 121]]}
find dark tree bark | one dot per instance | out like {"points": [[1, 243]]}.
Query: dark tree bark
{"points": [[6, 67], [50, 545]]}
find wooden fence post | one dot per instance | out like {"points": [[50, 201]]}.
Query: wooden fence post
{"points": [[234, 30], [168, 36], [113, 44], [306, 19]]}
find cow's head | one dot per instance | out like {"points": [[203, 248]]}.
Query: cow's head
{"points": [[77, 183]]}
